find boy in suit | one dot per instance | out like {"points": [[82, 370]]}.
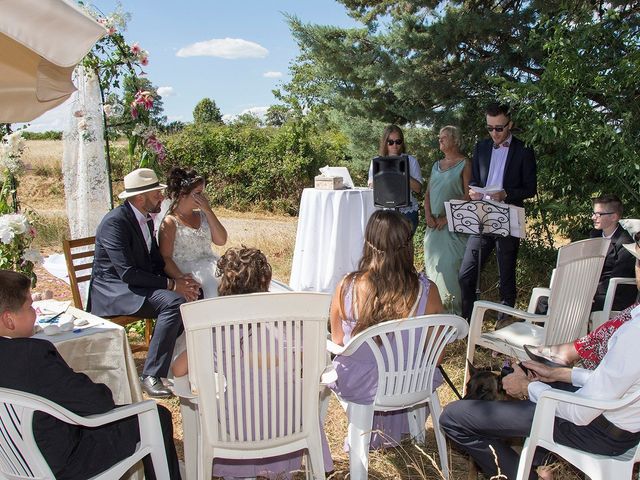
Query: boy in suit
{"points": [[607, 211], [35, 366], [128, 275], [503, 161]]}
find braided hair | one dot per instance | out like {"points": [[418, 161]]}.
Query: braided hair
{"points": [[181, 182], [386, 271], [243, 270]]}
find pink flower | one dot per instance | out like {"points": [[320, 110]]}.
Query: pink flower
{"points": [[134, 110], [156, 147], [32, 232], [144, 61], [144, 98], [135, 48], [111, 31]]}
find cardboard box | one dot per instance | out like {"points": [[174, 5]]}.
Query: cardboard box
{"points": [[323, 182]]}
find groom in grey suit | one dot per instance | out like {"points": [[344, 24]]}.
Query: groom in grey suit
{"points": [[128, 275]]}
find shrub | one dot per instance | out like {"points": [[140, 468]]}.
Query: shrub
{"points": [[251, 167]]}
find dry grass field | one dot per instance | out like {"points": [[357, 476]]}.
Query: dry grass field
{"points": [[41, 191]]}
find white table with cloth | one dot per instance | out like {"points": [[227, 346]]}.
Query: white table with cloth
{"points": [[99, 349], [331, 225]]}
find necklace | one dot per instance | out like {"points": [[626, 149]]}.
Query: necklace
{"points": [[447, 164], [187, 219]]}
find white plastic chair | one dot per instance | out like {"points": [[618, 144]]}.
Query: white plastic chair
{"points": [[598, 467], [406, 352], [573, 285], [599, 317], [254, 393], [21, 459]]}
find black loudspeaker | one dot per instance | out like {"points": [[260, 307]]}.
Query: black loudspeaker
{"points": [[391, 182]]}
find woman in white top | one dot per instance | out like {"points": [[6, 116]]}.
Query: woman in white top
{"points": [[392, 144], [188, 229]]}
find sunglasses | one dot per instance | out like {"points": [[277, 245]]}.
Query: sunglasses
{"points": [[397, 141], [497, 129]]}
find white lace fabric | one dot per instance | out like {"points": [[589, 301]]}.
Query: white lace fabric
{"points": [[192, 254], [84, 169]]}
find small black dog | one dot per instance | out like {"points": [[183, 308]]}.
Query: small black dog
{"points": [[485, 384]]}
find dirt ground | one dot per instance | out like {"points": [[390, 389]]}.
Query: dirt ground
{"points": [[41, 192]]}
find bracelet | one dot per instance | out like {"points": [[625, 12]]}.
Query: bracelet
{"points": [[175, 286]]}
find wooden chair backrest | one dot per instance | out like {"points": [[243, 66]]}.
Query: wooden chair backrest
{"points": [[79, 264]]}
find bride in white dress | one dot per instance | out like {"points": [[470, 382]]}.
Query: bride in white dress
{"points": [[188, 229]]}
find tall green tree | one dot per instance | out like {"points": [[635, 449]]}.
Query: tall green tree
{"points": [[206, 111], [569, 69]]}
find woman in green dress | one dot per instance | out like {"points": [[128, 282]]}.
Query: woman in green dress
{"points": [[443, 250]]}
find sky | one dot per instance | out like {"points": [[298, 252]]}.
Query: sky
{"points": [[234, 52]]}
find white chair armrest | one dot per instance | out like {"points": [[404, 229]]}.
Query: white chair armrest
{"points": [[611, 293], [480, 307], [536, 294], [334, 348], [554, 396]]}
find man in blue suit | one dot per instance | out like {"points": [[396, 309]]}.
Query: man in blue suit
{"points": [[504, 162], [128, 275]]}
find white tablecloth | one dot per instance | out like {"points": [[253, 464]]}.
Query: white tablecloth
{"points": [[101, 351], [330, 236]]}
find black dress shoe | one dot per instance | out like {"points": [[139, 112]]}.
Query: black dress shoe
{"points": [[154, 387]]}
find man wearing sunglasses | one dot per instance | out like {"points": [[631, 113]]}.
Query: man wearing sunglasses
{"points": [[504, 162]]}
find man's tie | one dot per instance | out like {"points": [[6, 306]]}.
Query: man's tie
{"points": [[505, 144]]}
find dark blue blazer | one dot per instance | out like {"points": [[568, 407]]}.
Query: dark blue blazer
{"points": [[520, 180], [124, 271]]}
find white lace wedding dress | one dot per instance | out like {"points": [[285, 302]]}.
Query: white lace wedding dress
{"points": [[192, 254]]}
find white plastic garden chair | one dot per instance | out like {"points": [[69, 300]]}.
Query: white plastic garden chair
{"points": [[406, 352], [599, 317], [20, 457], [263, 402], [597, 467], [573, 285]]}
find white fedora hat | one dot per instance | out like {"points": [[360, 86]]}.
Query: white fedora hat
{"points": [[139, 181]]}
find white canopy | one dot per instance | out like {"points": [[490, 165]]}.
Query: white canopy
{"points": [[41, 41]]}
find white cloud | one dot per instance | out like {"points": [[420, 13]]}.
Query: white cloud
{"points": [[166, 91], [272, 74], [259, 112], [229, 48]]}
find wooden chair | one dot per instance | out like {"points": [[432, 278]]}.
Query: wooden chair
{"points": [[79, 256]]}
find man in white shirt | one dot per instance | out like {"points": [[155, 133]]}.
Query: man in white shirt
{"points": [[509, 166], [474, 425]]}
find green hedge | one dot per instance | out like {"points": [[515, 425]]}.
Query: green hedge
{"points": [[249, 167]]}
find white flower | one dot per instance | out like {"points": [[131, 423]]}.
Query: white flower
{"points": [[11, 149], [6, 234], [139, 130], [15, 223], [32, 255]]}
